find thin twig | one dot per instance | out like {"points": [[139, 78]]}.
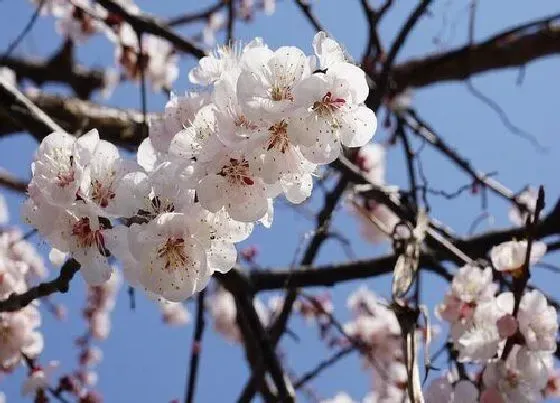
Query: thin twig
{"points": [[383, 80], [196, 349], [313, 373], [146, 24], [311, 18], [26, 30], [199, 16]]}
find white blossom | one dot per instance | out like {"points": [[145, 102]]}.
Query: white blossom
{"points": [[538, 322], [510, 256]]}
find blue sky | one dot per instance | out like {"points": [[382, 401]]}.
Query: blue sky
{"points": [[146, 361]]}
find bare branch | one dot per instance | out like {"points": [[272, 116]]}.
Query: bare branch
{"points": [[196, 348], [237, 285], [422, 130], [12, 183], [21, 110], [308, 376], [58, 69], [124, 127], [60, 284], [504, 50], [199, 16], [329, 275], [311, 18], [383, 80], [149, 25]]}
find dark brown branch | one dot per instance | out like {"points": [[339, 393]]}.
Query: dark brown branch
{"points": [[59, 69], [60, 284], [311, 18], [499, 52], [423, 130], [12, 183], [20, 110], [230, 21], [123, 127], [149, 25], [382, 82], [330, 275], [476, 247], [374, 48], [321, 234], [196, 348], [25, 31], [237, 285], [308, 376], [199, 16]]}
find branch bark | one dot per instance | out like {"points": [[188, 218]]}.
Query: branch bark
{"points": [[499, 52], [60, 284], [124, 127]]}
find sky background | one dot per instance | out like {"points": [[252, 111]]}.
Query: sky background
{"points": [[146, 361]]}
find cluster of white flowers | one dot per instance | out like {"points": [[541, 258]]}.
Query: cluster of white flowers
{"points": [[376, 326], [20, 264], [210, 169], [78, 20], [481, 323]]}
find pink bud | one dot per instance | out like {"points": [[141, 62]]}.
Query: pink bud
{"points": [[491, 395], [507, 326], [249, 253]]}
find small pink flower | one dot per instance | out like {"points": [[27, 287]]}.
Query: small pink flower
{"points": [[507, 326]]}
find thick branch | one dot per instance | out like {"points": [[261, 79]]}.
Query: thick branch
{"points": [[121, 126], [498, 52], [20, 110], [476, 247], [237, 285], [80, 79], [61, 284]]}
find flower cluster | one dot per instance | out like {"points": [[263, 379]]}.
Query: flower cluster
{"points": [[483, 322], [20, 264], [376, 326], [260, 125]]}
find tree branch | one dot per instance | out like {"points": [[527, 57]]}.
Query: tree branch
{"points": [[58, 69], [21, 110], [12, 183], [322, 366], [237, 285], [196, 348], [382, 82], [311, 18], [60, 284], [149, 25], [329, 275], [505, 50], [199, 16], [124, 127]]}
